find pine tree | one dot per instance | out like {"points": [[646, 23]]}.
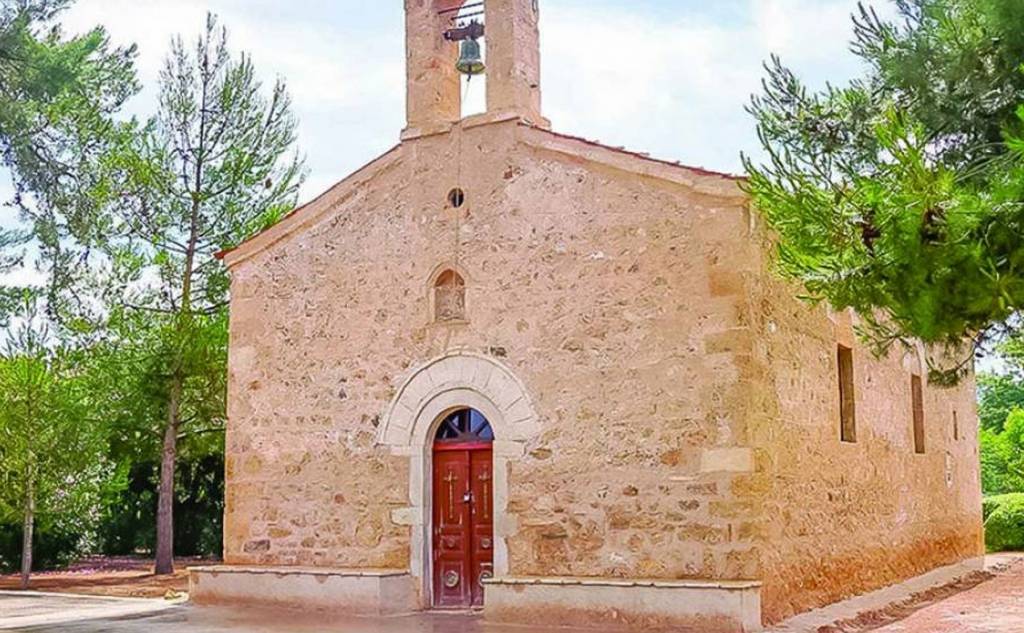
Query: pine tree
{"points": [[901, 195], [215, 164], [52, 450]]}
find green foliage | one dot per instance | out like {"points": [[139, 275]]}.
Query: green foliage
{"points": [[52, 449], [998, 396], [121, 520], [901, 195], [1004, 523], [215, 163], [1002, 456], [127, 216], [58, 96], [9, 260], [57, 540], [991, 502], [1000, 393], [199, 506], [1001, 413], [128, 522], [131, 367]]}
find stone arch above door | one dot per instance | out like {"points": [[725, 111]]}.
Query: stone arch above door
{"points": [[455, 381], [465, 379]]}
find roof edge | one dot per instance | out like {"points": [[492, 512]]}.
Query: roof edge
{"points": [[292, 221], [702, 180]]}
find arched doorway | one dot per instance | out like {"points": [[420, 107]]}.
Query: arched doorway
{"points": [[426, 397], [463, 509]]}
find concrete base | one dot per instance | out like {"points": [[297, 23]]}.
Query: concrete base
{"points": [[704, 606], [350, 591]]}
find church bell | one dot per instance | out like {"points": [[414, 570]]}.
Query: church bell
{"points": [[470, 60]]}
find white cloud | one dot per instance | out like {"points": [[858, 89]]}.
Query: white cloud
{"points": [[677, 87], [346, 81], [811, 31]]}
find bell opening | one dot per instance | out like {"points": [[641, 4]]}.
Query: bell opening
{"points": [[468, 29]]}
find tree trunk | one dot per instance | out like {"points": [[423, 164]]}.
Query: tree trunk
{"points": [[26, 533], [165, 499]]}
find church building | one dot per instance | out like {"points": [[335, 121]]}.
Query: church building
{"points": [[505, 368]]}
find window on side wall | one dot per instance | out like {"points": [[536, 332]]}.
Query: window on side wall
{"points": [[917, 402], [847, 401]]}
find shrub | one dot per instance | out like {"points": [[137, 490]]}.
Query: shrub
{"points": [[54, 545], [1004, 522], [1002, 456], [991, 502]]}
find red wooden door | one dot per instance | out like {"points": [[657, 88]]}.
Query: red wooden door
{"points": [[463, 547]]}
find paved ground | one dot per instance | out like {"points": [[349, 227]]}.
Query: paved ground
{"points": [[53, 612], [991, 607], [995, 606], [189, 619]]}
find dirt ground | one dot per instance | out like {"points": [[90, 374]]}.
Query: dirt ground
{"points": [[124, 577]]}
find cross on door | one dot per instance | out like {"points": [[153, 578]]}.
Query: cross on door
{"points": [[450, 479], [484, 478]]}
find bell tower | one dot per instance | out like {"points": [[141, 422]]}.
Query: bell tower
{"points": [[433, 86], [513, 59]]}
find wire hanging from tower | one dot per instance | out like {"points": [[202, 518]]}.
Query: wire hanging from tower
{"points": [[470, 63]]}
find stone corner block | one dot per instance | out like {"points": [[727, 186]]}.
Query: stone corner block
{"points": [[506, 525], [406, 516], [399, 450], [737, 459], [509, 448]]}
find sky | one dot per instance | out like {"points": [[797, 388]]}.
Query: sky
{"points": [[668, 77]]}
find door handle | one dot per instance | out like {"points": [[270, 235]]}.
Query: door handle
{"points": [[467, 497]]}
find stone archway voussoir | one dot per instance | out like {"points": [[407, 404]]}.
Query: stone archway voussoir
{"points": [[475, 374]]}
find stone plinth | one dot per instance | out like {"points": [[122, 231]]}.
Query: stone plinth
{"points": [[351, 591], [683, 605]]}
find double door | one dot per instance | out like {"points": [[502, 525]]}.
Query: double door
{"points": [[463, 538]]}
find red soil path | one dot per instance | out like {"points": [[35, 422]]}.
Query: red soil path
{"points": [[108, 576]]}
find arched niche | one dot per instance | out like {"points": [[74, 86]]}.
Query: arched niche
{"points": [[446, 290]]}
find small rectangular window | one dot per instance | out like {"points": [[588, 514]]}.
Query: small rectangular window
{"points": [[847, 407], [917, 398], [956, 427]]}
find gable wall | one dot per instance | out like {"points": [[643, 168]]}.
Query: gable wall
{"points": [[613, 297]]}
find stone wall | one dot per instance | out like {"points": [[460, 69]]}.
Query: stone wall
{"points": [[844, 518], [686, 402], [610, 293]]}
